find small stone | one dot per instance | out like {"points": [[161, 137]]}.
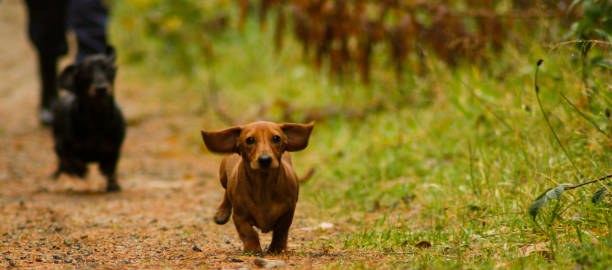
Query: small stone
{"points": [[326, 225], [261, 262], [196, 248], [234, 259], [10, 262]]}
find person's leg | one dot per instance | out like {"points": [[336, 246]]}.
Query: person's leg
{"points": [[47, 31], [47, 68], [88, 19]]}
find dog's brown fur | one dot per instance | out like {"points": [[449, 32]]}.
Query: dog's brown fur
{"points": [[261, 186]]}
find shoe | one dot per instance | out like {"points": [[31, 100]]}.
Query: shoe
{"points": [[46, 116]]}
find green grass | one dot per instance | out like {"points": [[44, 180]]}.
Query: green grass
{"points": [[455, 157]]}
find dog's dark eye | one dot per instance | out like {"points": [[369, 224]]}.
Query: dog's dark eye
{"points": [[276, 139], [250, 140]]}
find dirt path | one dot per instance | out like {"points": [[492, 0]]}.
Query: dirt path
{"points": [[169, 186]]}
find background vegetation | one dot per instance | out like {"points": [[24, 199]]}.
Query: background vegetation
{"points": [[434, 164]]}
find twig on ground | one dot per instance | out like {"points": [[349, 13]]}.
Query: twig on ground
{"points": [[589, 182]]}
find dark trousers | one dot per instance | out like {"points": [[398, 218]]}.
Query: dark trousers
{"points": [[47, 24]]}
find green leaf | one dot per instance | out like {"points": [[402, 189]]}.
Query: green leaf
{"points": [[602, 34], [601, 193], [555, 193], [573, 5], [535, 207], [549, 194], [602, 62], [572, 32], [592, 10], [607, 26]]}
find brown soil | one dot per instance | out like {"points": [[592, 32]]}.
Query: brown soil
{"points": [[162, 216]]}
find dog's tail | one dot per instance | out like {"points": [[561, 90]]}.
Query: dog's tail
{"points": [[307, 176]]}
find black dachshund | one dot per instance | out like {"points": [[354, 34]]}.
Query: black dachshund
{"points": [[88, 125]]}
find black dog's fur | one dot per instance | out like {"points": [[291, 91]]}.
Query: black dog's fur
{"points": [[88, 125]]}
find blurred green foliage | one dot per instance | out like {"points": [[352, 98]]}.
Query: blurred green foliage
{"points": [[180, 31], [593, 29], [595, 22]]}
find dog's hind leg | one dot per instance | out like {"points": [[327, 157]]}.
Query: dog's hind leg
{"points": [[78, 168], [60, 168], [108, 168], [70, 166], [225, 208], [223, 211], [74, 167], [56, 174]]}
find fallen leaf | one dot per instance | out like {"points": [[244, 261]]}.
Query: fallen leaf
{"points": [[423, 244], [537, 248]]}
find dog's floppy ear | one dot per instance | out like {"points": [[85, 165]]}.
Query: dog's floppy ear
{"points": [[224, 141], [110, 53], [297, 135], [66, 78]]}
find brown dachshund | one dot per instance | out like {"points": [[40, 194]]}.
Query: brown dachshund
{"points": [[260, 184]]}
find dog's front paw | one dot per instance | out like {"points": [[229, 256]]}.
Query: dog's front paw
{"points": [[276, 250], [222, 215], [55, 175], [253, 249], [113, 187]]}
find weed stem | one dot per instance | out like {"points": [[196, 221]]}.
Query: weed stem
{"points": [[537, 90]]}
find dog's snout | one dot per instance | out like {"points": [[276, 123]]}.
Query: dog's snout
{"points": [[101, 88], [264, 161]]}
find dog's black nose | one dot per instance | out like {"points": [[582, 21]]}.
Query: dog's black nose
{"points": [[101, 89], [264, 161]]}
